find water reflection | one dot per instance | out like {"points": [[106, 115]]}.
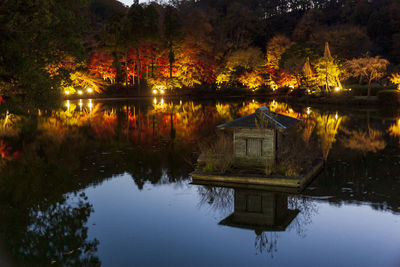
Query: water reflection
{"points": [[262, 211], [48, 154], [50, 233]]}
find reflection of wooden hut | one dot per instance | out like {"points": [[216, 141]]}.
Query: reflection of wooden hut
{"points": [[256, 137], [260, 211]]}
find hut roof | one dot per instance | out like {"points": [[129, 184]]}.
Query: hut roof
{"points": [[262, 118], [280, 225]]}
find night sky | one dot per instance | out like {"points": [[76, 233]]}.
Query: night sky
{"points": [[130, 2]]}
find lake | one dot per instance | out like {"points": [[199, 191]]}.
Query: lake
{"points": [[108, 183]]}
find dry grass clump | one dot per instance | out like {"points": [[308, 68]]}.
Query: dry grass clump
{"points": [[217, 156], [296, 154]]}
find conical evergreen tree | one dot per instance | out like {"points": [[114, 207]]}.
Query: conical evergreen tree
{"points": [[327, 51]]}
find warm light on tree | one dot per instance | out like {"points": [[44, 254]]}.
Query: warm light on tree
{"points": [[395, 78], [251, 79], [328, 70], [327, 129], [275, 48], [367, 68]]}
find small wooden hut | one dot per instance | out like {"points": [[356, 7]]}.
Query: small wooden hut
{"points": [[257, 137]]}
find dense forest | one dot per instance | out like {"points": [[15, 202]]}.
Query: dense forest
{"points": [[60, 46]]}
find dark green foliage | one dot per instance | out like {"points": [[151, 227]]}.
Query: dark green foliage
{"points": [[300, 51], [105, 9], [34, 34]]}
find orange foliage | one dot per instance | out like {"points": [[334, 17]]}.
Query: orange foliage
{"points": [[285, 79]]}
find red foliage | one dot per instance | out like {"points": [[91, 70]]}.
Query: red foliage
{"points": [[101, 64], [6, 152], [104, 127], [2, 100]]}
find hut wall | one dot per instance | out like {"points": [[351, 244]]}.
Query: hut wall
{"points": [[254, 147], [255, 208]]}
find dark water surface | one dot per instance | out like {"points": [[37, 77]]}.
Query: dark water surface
{"points": [[109, 184]]}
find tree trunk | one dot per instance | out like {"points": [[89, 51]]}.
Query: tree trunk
{"points": [[117, 66], [126, 68], [138, 69], [369, 89], [339, 83], [152, 63], [171, 58]]}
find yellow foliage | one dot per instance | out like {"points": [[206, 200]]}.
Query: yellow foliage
{"points": [[394, 129], [327, 128], [275, 48], [248, 109], [66, 62], [395, 78], [224, 111], [224, 77], [86, 80], [282, 108], [251, 80]]}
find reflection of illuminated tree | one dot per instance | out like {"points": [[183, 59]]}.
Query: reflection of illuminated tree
{"points": [[224, 111], [327, 128], [282, 108], [394, 129], [370, 141], [248, 109], [307, 130]]}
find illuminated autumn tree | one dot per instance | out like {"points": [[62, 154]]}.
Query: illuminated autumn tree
{"points": [[367, 68], [83, 79], [275, 48], [395, 78], [74, 75], [328, 70], [251, 79], [238, 62], [287, 79], [293, 61], [100, 63], [394, 129], [309, 78], [193, 68]]}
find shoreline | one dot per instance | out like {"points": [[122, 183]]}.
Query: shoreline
{"points": [[331, 101]]}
